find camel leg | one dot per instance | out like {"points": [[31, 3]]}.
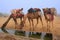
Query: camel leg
{"points": [[37, 22], [21, 23], [15, 22], [41, 22], [21, 19], [52, 24], [30, 23], [49, 26], [4, 25]]}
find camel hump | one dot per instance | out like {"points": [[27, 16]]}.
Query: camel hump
{"points": [[37, 9], [31, 10], [15, 11]]}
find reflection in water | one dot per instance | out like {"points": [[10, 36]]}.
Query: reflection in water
{"points": [[4, 30], [31, 33], [1, 30], [43, 35], [34, 32], [27, 33], [10, 31]]}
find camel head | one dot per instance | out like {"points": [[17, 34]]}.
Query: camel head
{"points": [[53, 11], [45, 10]]}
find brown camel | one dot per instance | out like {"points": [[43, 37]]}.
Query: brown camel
{"points": [[15, 13], [49, 16], [33, 13]]}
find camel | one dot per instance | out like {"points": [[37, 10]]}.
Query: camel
{"points": [[15, 13], [33, 13], [49, 14]]}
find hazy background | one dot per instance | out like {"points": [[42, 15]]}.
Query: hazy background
{"points": [[7, 5]]}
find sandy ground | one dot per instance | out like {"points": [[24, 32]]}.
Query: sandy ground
{"points": [[55, 29]]}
